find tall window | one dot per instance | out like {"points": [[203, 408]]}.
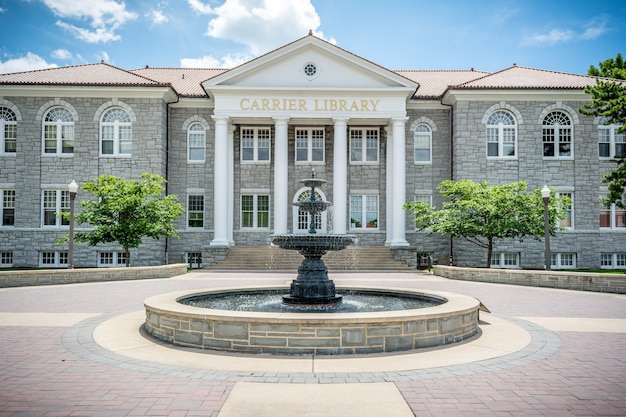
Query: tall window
{"points": [[610, 143], [501, 135], [557, 135], [58, 132], [364, 146], [8, 207], [309, 145], [568, 221], [422, 143], [195, 210], [8, 131], [613, 216], [54, 203], [116, 132], [196, 140], [255, 211], [363, 212], [255, 144], [304, 217]]}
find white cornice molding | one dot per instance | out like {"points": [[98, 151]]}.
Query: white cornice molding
{"points": [[454, 96], [194, 102], [425, 105]]}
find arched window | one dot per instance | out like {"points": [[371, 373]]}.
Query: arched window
{"points": [[501, 135], [557, 135], [302, 218], [8, 131], [422, 137], [196, 139], [58, 131], [115, 132]]}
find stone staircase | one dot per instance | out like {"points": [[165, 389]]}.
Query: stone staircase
{"points": [[354, 258]]}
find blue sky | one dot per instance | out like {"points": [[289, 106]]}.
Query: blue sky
{"points": [[398, 34]]}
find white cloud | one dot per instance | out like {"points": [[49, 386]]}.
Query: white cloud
{"points": [[158, 17], [595, 28], [228, 61], [260, 25], [63, 54], [26, 63], [551, 38], [106, 17]]}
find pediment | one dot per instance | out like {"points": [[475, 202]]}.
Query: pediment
{"points": [[310, 64]]}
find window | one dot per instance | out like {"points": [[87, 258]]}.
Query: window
{"points": [[58, 132], [568, 221], [116, 132], [195, 211], [53, 259], [255, 144], [309, 145], [613, 216], [304, 217], [501, 135], [196, 139], [505, 260], [563, 260], [363, 212], [54, 203], [610, 143], [255, 211], [194, 258], [112, 259], [8, 131], [613, 260], [6, 259], [422, 143], [363, 146], [557, 135], [8, 207], [423, 198]]}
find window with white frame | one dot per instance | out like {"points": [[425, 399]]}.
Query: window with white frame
{"points": [[112, 259], [255, 211], [6, 259], [116, 132], [568, 221], [364, 145], [363, 212], [613, 260], [196, 142], [557, 135], [423, 198], [8, 131], [310, 145], [505, 260], [58, 132], [423, 138], [255, 144], [195, 211], [610, 143], [501, 135], [613, 216], [8, 207], [55, 202], [304, 217], [53, 259], [563, 260]]}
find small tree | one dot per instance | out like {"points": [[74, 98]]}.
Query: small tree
{"points": [[126, 211], [609, 100], [481, 213]]}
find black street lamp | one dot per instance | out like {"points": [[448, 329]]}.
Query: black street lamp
{"points": [[73, 188], [545, 194]]}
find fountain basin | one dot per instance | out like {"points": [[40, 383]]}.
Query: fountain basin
{"points": [[302, 333]]}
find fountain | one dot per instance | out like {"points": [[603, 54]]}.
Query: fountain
{"points": [[312, 286], [312, 318]]}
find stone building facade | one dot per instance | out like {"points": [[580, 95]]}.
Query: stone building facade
{"points": [[233, 145]]}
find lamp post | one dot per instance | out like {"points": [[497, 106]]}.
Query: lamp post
{"points": [[545, 194], [73, 188]]}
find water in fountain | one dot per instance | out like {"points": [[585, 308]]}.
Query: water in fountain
{"points": [[312, 287]]}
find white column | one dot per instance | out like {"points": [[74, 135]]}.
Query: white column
{"points": [[220, 181], [399, 183], [281, 181], [340, 176], [389, 185], [231, 183]]}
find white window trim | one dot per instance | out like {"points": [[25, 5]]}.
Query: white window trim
{"points": [[613, 257], [364, 147], [501, 257], [59, 134], [255, 211], [58, 208], [557, 137], [9, 253], [557, 258], [430, 144], [501, 142], [2, 207], [296, 211], [309, 138], [189, 147], [571, 208], [189, 211], [427, 194], [364, 227], [255, 159], [3, 124], [57, 263], [116, 134], [612, 144], [612, 211], [117, 256]]}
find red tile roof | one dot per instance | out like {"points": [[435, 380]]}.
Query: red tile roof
{"points": [[186, 81], [434, 83]]}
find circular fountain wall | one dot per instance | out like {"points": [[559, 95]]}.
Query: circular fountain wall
{"points": [[455, 319]]}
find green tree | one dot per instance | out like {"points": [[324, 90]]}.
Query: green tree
{"points": [[609, 100], [126, 211], [482, 213]]}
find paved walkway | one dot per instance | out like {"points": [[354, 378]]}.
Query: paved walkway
{"points": [[76, 350]]}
